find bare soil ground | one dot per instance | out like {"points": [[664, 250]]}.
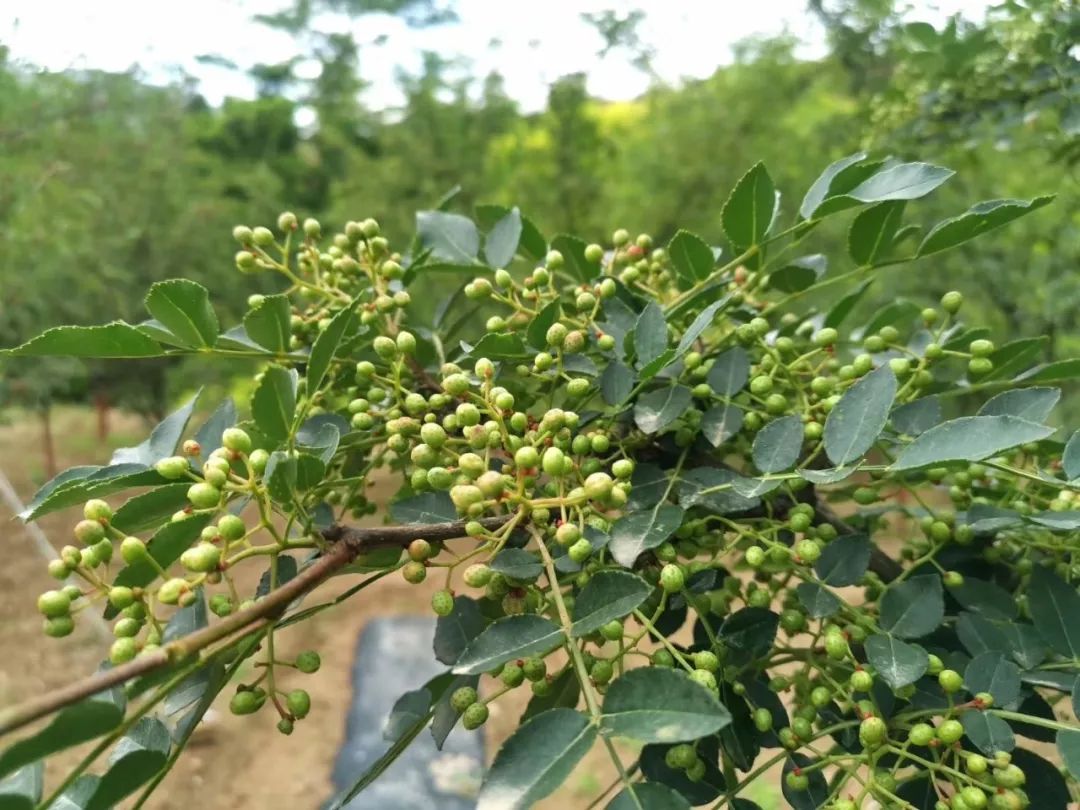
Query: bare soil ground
{"points": [[232, 763]]}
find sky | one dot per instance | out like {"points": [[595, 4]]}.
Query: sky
{"points": [[539, 40]]}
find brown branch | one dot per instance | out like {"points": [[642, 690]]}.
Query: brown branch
{"points": [[347, 543]]}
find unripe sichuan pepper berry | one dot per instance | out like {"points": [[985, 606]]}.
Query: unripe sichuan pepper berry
{"points": [[872, 732], [442, 602], [298, 702], [672, 578], [308, 662], [173, 467], [474, 716]]}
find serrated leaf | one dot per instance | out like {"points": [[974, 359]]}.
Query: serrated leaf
{"points": [[209, 433], [799, 274], [650, 334], [873, 230], [896, 662], [636, 532], [1068, 745], [139, 755], [1054, 607], [273, 405], [150, 509], [718, 490], [163, 440], [822, 186], [22, 790], [113, 340], [517, 563], [969, 438], [915, 418], [842, 308], [729, 372], [981, 218], [844, 561], [692, 257], [1059, 371], [89, 718], [985, 598], [657, 409], [657, 705], [502, 240], [720, 423], [509, 637], [992, 672], [818, 601], [573, 250], [777, 445], [532, 243], [1070, 457], [914, 607], [616, 383], [608, 595], [268, 323], [857, 420], [648, 796], [183, 307], [454, 632], [903, 181], [702, 322], [427, 507], [988, 732], [450, 237], [749, 211], [79, 484], [1032, 404], [536, 760], [750, 632], [536, 333], [326, 344]]}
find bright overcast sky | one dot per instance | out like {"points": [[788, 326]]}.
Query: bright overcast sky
{"points": [[540, 40]]}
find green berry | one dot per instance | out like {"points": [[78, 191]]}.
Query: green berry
{"points": [[872, 732], [123, 650], [463, 698], [54, 604], [950, 731], [89, 532], [826, 337], [245, 702], [132, 550], [952, 301], [298, 702], [414, 572], [474, 716], [203, 495], [308, 662], [59, 626], [442, 602], [231, 527], [672, 578], [236, 440], [173, 467], [950, 681], [535, 668], [97, 509]]}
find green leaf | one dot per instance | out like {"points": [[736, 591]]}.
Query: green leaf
{"points": [[268, 323], [750, 632], [1068, 745], [75, 797], [816, 794], [536, 760], [992, 672], [648, 796], [857, 420], [453, 633], [326, 344], [209, 433], [1045, 786], [445, 716], [718, 490], [650, 334], [702, 322], [503, 238], [981, 218], [273, 405], [573, 251], [517, 563], [842, 308], [113, 340], [139, 755], [692, 257], [166, 545], [183, 307], [79, 484], [1015, 357], [720, 423], [1059, 371], [536, 334], [89, 718], [899, 313], [844, 561], [729, 372], [873, 230], [450, 237], [818, 601], [1032, 404], [22, 790], [616, 383], [915, 418], [777, 445], [608, 595], [651, 369], [532, 243], [496, 346], [985, 598], [896, 662], [564, 693], [798, 274], [658, 705], [1070, 457], [428, 507], [913, 608], [150, 509], [636, 532], [749, 212], [163, 440], [904, 181], [1054, 607], [823, 186], [969, 438], [657, 409], [509, 637], [988, 732]]}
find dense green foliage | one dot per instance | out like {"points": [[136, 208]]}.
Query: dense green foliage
{"points": [[595, 447]]}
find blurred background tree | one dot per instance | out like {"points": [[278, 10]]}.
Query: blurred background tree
{"points": [[108, 182]]}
